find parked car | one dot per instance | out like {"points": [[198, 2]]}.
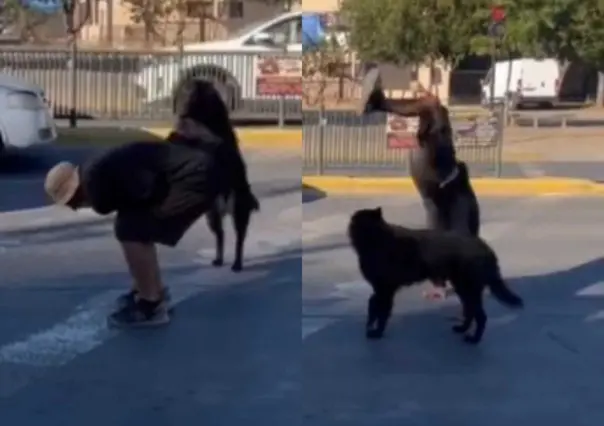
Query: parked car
{"points": [[531, 81], [230, 64], [25, 116]]}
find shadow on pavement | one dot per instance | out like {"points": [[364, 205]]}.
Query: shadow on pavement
{"points": [[542, 363], [310, 194]]}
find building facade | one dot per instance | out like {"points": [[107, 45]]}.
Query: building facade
{"points": [[111, 22]]}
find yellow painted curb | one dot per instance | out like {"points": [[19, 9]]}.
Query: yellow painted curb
{"points": [[509, 187], [261, 138]]}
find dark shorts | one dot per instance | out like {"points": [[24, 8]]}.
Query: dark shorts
{"points": [[165, 224]]}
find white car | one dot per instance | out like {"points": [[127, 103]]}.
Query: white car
{"points": [[230, 64], [25, 116]]}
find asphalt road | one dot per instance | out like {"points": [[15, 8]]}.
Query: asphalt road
{"points": [[542, 365], [230, 357]]}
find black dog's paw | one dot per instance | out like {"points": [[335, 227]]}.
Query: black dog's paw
{"points": [[459, 328], [471, 339], [237, 267], [374, 333], [217, 262]]}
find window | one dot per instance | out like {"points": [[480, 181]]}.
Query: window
{"points": [[285, 32], [231, 9], [280, 32], [296, 36]]}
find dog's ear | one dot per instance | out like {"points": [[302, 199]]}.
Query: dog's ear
{"points": [[378, 212]]}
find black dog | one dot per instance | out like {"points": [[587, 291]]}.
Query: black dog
{"points": [[203, 119], [391, 257]]}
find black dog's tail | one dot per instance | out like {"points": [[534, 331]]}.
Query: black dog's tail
{"points": [[501, 292], [254, 203]]}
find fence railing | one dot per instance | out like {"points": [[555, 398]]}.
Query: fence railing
{"points": [[140, 85], [344, 143]]}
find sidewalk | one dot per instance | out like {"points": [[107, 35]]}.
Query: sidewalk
{"points": [[563, 145]]}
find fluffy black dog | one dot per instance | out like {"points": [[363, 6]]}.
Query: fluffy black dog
{"points": [[203, 121], [391, 257]]}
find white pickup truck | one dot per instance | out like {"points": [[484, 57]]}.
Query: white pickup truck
{"points": [[230, 64]]}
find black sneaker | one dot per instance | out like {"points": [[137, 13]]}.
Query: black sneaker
{"points": [[130, 297], [140, 314]]}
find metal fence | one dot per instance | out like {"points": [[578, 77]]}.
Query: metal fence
{"points": [[140, 85], [345, 143]]}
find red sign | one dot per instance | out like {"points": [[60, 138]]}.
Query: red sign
{"points": [[278, 76], [401, 132], [497, 13]]}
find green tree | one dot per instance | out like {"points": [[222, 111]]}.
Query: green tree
{"points": [[411, 31], [588, 39], [323, 64], [151, 14]]}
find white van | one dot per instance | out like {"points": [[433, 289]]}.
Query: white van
{"points": [[531, 81]]}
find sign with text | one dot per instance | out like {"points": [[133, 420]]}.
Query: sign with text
{"points": [[278, 76], [401, 132]]}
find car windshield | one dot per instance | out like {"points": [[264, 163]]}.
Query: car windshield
{"points": [[247, 28]]}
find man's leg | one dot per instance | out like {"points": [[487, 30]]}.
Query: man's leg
{"points": [[143, 265], [144, 305]]}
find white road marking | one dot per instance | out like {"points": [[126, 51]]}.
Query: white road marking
{"points": [[595, 290], [313, 230], [311, 325], [598, 316], [86, 328]]}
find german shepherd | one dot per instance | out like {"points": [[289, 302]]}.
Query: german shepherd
{"points": [[240, 207], [391, 257]]}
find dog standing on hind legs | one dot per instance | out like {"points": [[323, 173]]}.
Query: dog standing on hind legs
{"points": [[240, 209], [204, 117]]}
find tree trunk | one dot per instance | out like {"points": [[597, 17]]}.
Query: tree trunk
{"points": [[600, 92]]}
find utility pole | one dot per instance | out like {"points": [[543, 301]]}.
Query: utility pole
{"points": [[496, 32]]}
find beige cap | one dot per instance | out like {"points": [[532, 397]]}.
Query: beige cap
{"points": [[62, 182]]}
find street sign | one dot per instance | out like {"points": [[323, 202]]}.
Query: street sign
{"points": [[497, 24], [497, 13]]}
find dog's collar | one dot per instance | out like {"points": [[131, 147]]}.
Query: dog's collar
{"points": [[450, 178]]}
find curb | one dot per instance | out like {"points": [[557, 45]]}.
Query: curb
{"points": [[49, 218], [258, 138], [507, 187]]}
